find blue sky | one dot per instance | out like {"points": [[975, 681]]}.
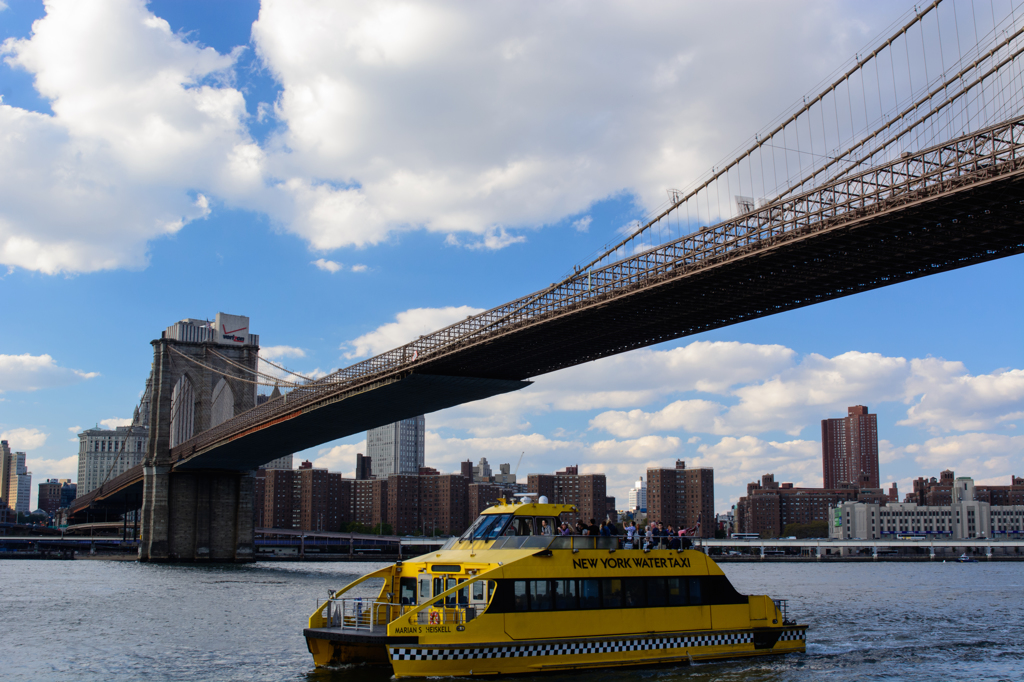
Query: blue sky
{"points": [[353, 179]]}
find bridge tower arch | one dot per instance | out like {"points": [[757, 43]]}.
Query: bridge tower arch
{"points": [[202, 375]]}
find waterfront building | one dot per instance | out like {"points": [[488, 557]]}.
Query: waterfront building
{"points": [[397, 448], [964, 517], [586, 491], [106, 453], [769, 506], [20, 487], [682, 497], [466, 469], [51, 495], [6, 467], [638, 496], [849, 448]]}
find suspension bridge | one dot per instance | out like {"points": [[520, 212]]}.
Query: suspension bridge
{"points": [[909, 162]]}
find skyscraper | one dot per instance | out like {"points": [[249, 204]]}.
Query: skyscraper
{"points": [[849, 449], [638, 496], [397, 448], [18, 480]]}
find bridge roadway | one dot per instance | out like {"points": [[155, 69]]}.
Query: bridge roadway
{"points": [[944, 207]]}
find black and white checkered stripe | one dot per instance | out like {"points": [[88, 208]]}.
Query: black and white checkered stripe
{"points": [[573, 648], [791, 635]]}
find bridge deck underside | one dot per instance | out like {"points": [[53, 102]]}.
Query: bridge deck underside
{"points": [[930, 236]]}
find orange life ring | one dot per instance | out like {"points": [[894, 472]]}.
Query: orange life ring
{"points": [[435, 618]]}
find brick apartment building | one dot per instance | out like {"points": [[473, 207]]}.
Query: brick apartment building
{"points": [[586, 491], [849, 448], [932, 492], [769, 506], [679, 496]]}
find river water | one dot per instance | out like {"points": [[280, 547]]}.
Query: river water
{"points": [[114, 621]]}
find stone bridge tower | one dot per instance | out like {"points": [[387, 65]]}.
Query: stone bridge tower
{"points": [[203, 374]]}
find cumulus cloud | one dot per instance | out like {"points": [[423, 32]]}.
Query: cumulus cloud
{"points": [[327, 265], [972, 453], [141, 118], [408, 325], [340, 458], [24, 439], [32, 372], [953, 400], [114, 422], [465, 120]]}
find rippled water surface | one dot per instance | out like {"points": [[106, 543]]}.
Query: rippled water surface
{"points": [[113, 621]]}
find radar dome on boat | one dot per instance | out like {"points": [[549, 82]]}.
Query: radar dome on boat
{"points": [[543, 499]]}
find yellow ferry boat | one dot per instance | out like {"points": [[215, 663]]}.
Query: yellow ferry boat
{"points": [[508, 598]]}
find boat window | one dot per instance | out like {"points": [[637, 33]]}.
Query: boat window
{"points": [[484, 528], [633, 593], [547, 525], [463, 594], [590, 594], [438, 589], [496, 528], [611, 593], [695, 592], [565, 595], [522, 597], [478, 591], [424, 588], [407, 591], [540, 595], [678, 592], [523, 525], [657, 592], [472, 531], [449, 601]]}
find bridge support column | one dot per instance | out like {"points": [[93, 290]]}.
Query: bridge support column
{"points": [[197, 516]]}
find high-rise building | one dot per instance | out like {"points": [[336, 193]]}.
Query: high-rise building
{"points": [[106, 453], [397, 448], [681, 497], [20, 487], [586, 491], [49, 499], [6, 469], [505, 476], [849, 448], [482, 472], [364, 467], [638, 496]]}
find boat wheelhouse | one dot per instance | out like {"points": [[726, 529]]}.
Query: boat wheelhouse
{"points": [[510, 597]]}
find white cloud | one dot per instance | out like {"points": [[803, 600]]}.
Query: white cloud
{"points": [[458, 119], [32, 372], [340, 458], [737, 461], [24, 439], [279, 354], [114, 422], [583, 224], [75, 430], [359, 267], [3, 5], [407, 326], [141, 119], [953, 400], [328, 265], [972, 453]]}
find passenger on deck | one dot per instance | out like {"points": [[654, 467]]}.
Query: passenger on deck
{"points": [[580, 528], [673, 539], [630, 530], [566, 529], [594, 530], [545, 529]]}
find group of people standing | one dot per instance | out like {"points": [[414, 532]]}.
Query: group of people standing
{"points": [[654, 535]]}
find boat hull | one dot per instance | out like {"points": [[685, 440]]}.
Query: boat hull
{"points": [[535, 656]]}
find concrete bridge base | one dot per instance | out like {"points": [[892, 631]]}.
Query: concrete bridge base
{"points": [[197, 516]]}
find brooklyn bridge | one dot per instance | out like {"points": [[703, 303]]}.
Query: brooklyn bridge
{"points": [[909, 162]]}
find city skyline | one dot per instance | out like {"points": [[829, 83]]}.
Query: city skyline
{"points": [[939, 360]]}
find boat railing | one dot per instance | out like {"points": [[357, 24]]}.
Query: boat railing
{"points": [[359, 613], [783, 606], [578, 542]]}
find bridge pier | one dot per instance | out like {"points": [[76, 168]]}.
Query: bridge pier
{"points": [[197, 516]]}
